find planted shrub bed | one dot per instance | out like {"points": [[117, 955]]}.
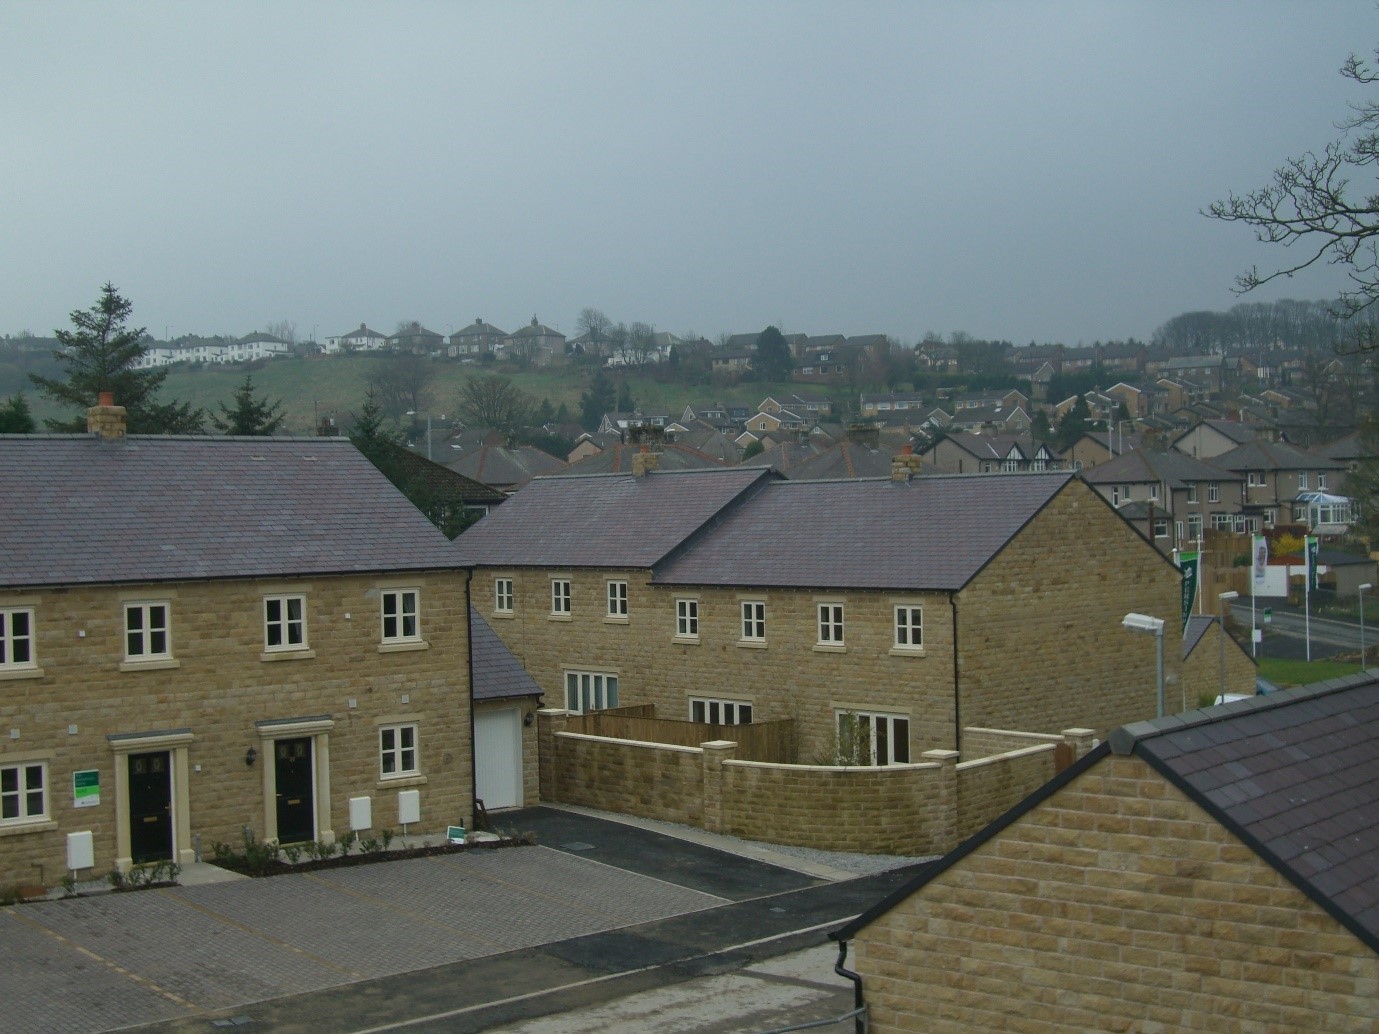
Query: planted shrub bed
{"points": [[255, 858]]}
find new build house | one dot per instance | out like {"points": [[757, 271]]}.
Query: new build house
{"points": [[909, 607], [203, 634]]}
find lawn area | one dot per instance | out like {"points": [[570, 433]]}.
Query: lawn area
{"points": [[1286, 673], [335, 385]]}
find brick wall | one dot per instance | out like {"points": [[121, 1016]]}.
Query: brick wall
{"points": [[651, 780], [1118, 904], [990, 786], [982, 743], [220, 687]]}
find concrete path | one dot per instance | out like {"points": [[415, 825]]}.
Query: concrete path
{"points": [[452, 943]]}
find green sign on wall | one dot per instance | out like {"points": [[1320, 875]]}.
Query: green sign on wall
{"points": [[86, 788]]}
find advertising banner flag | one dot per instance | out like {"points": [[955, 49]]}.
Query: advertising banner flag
{"points": [[1190, 565], [1261, 561], [1312, 549]]}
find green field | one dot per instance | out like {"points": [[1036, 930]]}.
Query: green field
{"points": [[335, 385], [1284, 673]]}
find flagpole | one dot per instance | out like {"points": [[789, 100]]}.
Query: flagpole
{"points": [[1199, 575], [1307, 591]]}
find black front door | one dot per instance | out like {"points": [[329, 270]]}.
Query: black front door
{"points": [[296, 809], [150, 807]]}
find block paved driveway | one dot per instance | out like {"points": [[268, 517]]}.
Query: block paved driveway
{"points": [[117, 960]]}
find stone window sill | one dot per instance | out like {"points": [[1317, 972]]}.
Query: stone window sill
{"points": [[752, 644], [907, 651], [686, 640], [287, 655], [399, 782], [559, 617], [19, 828], [155, 665], [830, 648], [20, 673], [503, 615], [615, 619], [420, 644]]}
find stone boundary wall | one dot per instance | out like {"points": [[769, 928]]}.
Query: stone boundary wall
{"points": [[917, 809], [650, 780], [989, 787], [984, 743]]}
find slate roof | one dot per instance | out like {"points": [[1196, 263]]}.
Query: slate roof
{"points": [[1293, 774], [80, 510], [1296, 776], [930, 533], [1176, 469], [617, 458], [607, 520], [848, 459], [500, 466], [497, 674], [1262, 455]]}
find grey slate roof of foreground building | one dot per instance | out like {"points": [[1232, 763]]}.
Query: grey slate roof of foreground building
{"points": [[496, 673], [927, 533], [79, 509], [603, 520], [1293, 774]]}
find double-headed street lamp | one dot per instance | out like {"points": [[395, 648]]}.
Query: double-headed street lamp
{"points": [[1155, 627]]}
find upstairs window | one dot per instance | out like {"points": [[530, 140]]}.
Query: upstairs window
{"points": [[401, 615], [146, 631], [17, 638], [617, 599], [560, 596], [830, 624], [909, 628], [502, 596], [686, 619], [284, 623], [753, 621]]}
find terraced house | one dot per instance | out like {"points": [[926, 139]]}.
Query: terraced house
{"points": [[203, 634], [911, 608]]}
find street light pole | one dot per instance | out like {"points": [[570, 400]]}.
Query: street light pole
{"points": [[1155, 627], [1360, 591], [1222, 600]]}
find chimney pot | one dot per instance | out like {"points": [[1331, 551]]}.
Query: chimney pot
{"points": [[106, 419], [106, 398]]}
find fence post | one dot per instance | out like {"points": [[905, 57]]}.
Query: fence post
{"points": [[715, 753], [549, 721]]}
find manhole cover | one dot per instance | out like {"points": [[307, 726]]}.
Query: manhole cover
{"points": [[578, 845]]}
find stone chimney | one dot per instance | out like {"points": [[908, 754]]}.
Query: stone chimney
{"points": [[645, 461], [905, 464], [105, 418]]}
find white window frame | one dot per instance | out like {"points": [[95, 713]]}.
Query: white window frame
{"points": [[562, 602], [1213, 491], [1160, 522], [395, 749], [20, 799], [687, 618], [1254, 479], [14, 643], [597, 689], [393, 627], [1154, 491], [831, 625], [1302, 481], [1194, 526], [1115, 496], [753, 614], [1321, 481], [1177, 531], [617, 600], [871, 721], [285, 624], [1192, 491], [717, 711], [139, 642], [908, 627], [504, 601]]}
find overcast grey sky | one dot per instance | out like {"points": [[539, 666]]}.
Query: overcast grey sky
{"points": [[1014, 170]]}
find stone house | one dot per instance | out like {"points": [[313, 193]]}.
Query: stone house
{"points": [[1277, 475], [918, 607], [963, 453], [1172, 497], [199, 635], [476, 340], [1206, 871]]}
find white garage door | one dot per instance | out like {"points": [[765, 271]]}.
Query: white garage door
{"points": [[498, 758]]}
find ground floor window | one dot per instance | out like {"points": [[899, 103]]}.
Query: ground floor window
{"points": [[720, 712], [590, 691], [397, 750], [873, 738], [23, 792]]}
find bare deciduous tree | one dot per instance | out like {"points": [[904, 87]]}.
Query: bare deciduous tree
{"points": [[493, 401], [1311, 203], [401, 384], [283, 330]]}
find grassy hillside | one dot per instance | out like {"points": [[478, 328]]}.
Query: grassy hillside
{"points": [[335, 385]]}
